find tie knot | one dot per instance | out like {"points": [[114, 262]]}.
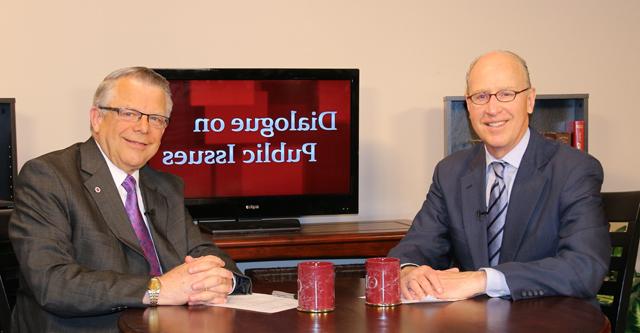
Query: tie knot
{"points": [[498, 168], [129, 184]]}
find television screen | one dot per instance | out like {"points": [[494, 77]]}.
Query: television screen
{"points": [[7, 151], [263, 143]]}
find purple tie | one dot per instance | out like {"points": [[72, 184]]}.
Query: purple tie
{"points": [[131, 206]]}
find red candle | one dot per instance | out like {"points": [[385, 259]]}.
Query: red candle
{"points": [[382, 286], [316, 291]]}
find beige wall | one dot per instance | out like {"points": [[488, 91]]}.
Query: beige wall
{"points": [[410, 54]]}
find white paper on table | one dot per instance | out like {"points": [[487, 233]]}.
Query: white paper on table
{"points": [[259, 303], [426, 299]]}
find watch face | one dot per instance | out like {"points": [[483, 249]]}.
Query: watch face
{"points": [[154, 284]]}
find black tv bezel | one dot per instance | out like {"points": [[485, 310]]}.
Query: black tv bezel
{"points": [[12, 151], [282, 206]]}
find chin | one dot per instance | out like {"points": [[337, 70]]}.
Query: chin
{"points": [[136, 163], [495, 144]]}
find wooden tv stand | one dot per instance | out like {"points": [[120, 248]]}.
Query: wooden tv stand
{"points": [[317, 240]]}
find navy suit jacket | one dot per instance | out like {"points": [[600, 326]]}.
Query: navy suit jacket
{"points": [[555, 238], [80, 260]]}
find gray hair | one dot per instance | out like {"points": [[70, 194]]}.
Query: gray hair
{"points": [[521, 61], [144, 74]]}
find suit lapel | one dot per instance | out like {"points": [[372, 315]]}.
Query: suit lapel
{"points": [[99, 183], [472, 190], [526, 191]]}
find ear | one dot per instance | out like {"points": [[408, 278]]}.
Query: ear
{"points": [[96, 117], [531, 100]]}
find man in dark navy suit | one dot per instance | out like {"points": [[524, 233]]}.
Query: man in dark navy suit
{"points": [[518, 216]]}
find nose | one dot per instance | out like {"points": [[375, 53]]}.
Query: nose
{"points": [[142, 125], [493, 105]]}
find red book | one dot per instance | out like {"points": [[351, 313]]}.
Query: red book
{"points": [[576, 128]]}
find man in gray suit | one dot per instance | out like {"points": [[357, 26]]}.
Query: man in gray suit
{"points": [[518, 216], [95, 230]]}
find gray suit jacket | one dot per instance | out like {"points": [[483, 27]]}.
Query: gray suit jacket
{"points": [[80, 260], [555, 239]]}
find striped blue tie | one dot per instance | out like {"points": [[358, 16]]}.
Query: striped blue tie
{"points": [[498, 202]]}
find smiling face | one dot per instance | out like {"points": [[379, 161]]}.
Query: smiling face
{"points": [[500, 125], [129, 145]]}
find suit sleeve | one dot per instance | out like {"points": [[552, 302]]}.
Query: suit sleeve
{"points": [[41, 235], [583, 249], [200, 245], [427, 241]]}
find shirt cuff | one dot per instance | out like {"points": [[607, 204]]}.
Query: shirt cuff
{"points": [[496, 283], [233, 284], [409, 264]]}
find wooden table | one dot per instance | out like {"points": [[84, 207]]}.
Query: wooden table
{"points": [[480, 314], [320, 240]]}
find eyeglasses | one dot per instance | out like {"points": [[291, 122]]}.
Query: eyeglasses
{"points": [[131, 115], [505, 95]]}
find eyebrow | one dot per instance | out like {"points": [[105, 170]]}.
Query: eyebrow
{"points": [[489, 91], [138, 110]]}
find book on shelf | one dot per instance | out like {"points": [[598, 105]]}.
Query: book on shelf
{"points": [[576, 128], [563, 137]]}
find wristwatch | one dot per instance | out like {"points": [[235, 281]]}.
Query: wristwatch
{"points": [[153, 290]]}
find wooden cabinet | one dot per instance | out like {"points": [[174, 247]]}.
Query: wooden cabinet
{"points": [[319, 240]]}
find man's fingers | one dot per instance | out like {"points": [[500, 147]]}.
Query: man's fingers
{"points": [[418, 282], [406, 292], [427, 285], [213, 271], [416, 288], [215, 259], [405, 271], [202, 264], [215, 283], [206, 297], [188, 259], [434, 282]]}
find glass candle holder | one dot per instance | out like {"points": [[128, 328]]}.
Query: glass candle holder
{"points": [[382, 285], [316, 286]]}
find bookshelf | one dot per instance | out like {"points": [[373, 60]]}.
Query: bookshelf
{"points": [[551, 114]]}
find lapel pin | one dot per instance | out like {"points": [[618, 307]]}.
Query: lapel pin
{"points": [[97, 189]]}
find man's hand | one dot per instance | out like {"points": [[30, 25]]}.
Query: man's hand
{"points": [[461, 285], [213, 282], [197, 281], [418, 282]]}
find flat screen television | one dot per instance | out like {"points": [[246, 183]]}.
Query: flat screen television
{"points": [[8, 167], [265, 145]]}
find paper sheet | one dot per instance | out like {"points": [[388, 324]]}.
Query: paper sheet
{"points": [[426, 299], [260, 303]]}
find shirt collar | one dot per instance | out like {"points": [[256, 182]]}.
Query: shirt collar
{"points": [[514, 157], [118, 174]]}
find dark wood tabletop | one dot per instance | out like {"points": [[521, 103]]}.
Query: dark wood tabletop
{"points": [[351, 315]]}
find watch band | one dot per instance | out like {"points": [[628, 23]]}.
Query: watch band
{"points": [[153, 290]]}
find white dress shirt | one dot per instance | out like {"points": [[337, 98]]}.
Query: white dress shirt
{"points": [[119, 176], [496, 282]]}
